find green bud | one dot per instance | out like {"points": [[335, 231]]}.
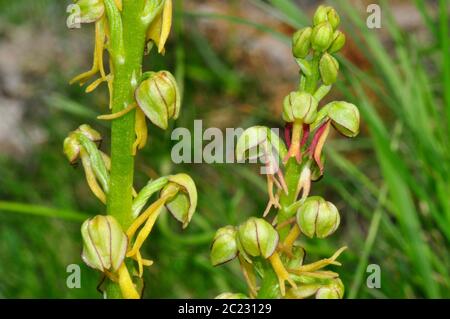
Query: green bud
{"points": [[345, 118], [72, 148], [230, 295], [326, 14], [182, 206], [256, 141], [329, 69], [258, 237], [301, 42], [159, 98], [335, 290], [320, 15], [333, 18], [224, 246], [338, 42], [321, 36], [90, 10], [317, 217], [72, 144], [104, 243], [299, 106]]}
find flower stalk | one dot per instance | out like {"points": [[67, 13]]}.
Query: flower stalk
{"points": [[125, 28], [271, 252]]}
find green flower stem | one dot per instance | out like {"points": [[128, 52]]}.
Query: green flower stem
{"points": [[269, 286], [127, 68]]}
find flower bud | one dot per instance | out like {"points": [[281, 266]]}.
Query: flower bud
{"points": [[345, 118], [335, 290], [72, 145], [329, 69], [71, 148], [299, 106], [301, 42], [224, 246], [104, 243], [257, 237], [321, 36], [90, 10], [324, 14], [159, 98], [320, 15], [333, 18], [317, 217], [338, 42], [182, 206], [230, 295]]}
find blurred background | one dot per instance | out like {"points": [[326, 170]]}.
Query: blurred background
{"points": [[391, 183]]}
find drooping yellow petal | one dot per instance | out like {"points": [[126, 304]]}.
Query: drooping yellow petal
{"points": [[166, 24], [141, 131], [97, 64], [126, 285], [145, 231], [281, 273], [159, 29]]}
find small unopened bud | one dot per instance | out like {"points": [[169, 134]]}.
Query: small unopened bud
{"points": [[182, 206], [345, 118], [321, 36], [104, 243], [317, 217], [230, 295], [72, 148], [326, 14], [333, 18], [301, 42], [257, 237], [159, 98], [224, 246], [335, 290], [72, 144], [338, 42], [320, 15], [299, 106], [329, 69]]}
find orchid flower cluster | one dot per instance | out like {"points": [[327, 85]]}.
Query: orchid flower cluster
{"points": [[267, 250], [108, 246]]}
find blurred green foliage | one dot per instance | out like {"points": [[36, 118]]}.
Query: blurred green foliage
{"points": [[391, 184]]}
